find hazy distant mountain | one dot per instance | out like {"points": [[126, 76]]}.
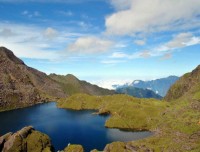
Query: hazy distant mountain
{"points": [[159, 86], [21, 85], [138, 92]]}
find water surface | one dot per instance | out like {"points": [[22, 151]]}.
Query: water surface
{"points": [[66, 126]]}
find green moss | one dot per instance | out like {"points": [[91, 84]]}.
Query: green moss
{"points": [[38, 142], [126, 111], [74, 148]]}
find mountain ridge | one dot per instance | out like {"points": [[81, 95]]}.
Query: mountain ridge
{"points": [[138, 92], [21, 85], [159, 86]]}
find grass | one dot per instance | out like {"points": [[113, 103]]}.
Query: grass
{"points": [[176, 124]]}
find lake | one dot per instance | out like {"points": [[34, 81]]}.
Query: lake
{"points": [[66, 126]]}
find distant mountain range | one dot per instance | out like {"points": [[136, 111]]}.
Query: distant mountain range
{"points": [[21, 85], [138, 92], [158, 86]]}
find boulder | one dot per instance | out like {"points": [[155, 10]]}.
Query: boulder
{"points": [[26, 139], [74, 148]]}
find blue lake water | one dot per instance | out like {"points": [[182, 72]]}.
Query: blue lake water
{"points": [[66, 126]]}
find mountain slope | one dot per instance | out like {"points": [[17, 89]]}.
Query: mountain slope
{"points": [[138, 92], [176, 124], [72, 85], [188, 85], [21, 85]]}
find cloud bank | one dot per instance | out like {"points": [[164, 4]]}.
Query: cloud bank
{"points": [[146, 16]]}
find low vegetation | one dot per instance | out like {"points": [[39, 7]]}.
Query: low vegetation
{"points": [[176, 123], [126, 112], [175, 120]]}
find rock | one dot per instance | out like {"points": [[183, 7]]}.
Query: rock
{"points": [[116, 147], [125, 147], [14, 143], [3, 139], [25, 131], [26, 139], [74, 148], [95, 150]]}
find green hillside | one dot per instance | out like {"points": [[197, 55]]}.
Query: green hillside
{"points": [[73, 85], [175, 121]]}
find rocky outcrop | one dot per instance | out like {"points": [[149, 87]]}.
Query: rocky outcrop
{"points": [[26, 139], [74, 148], [125, 147]]}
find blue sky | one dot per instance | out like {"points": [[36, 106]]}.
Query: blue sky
{"points": [[104, 41]]}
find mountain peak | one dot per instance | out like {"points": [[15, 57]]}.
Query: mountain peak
{"points": [[71, 76], [8, 54]]}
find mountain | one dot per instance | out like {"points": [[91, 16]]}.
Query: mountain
{"points": [[73, 85], [187, 86], [138, 92], [174, 122], [21, 85], [159, 86]]}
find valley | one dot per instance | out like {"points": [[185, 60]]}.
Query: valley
{"points": [[174, 120]]}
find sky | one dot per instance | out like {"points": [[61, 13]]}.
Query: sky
{"points": [[104, 42]]}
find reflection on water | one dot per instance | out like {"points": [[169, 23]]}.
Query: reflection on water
{"points": [[66, 126]]}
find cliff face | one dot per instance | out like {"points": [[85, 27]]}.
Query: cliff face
{"points": [[188, 85]]}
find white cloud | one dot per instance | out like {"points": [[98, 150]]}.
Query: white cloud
{"points": [[165, 50], [121, 4], [66, 13], [112, 61], [28, 41], [50, 33], [140, 42], [145, 54], [179, 41], [90, 45], [7, 32], [144, 16], [166, 56], [108, 83], [31, 14], [25, 12], [118, 55]]}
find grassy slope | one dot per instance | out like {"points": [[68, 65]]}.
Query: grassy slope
{"points": [[143, 117], [176, 124], [72, 85]]}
